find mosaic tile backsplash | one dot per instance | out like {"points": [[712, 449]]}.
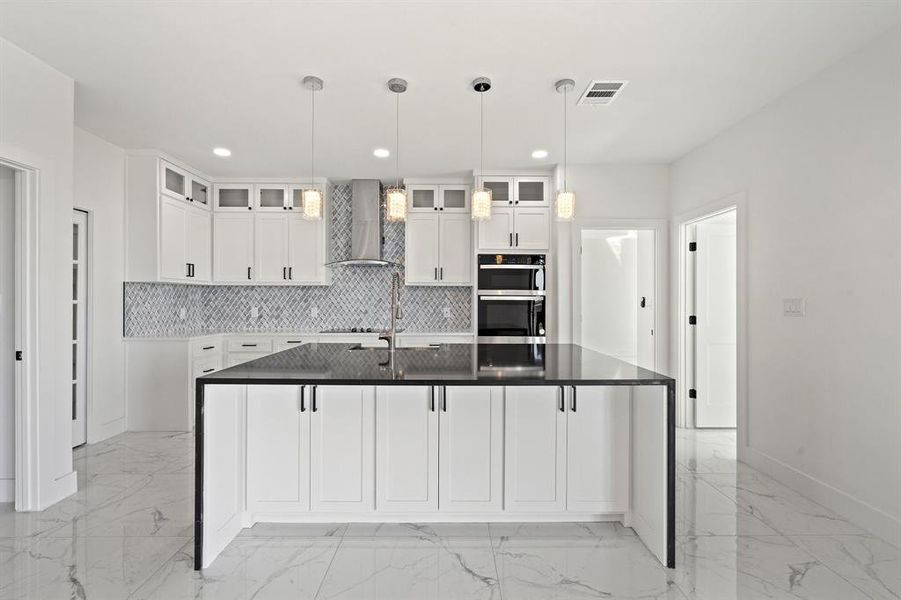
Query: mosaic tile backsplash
{"points": [[358, 297]]}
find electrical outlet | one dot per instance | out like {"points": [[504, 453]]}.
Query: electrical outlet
{"points": [[446, 312], [183, 313], [314, 312], [794, 307], [254, 312]]}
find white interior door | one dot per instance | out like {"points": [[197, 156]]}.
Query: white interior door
{"points": [[79, 326], [716, 328], [7, 331], [617, 276]]}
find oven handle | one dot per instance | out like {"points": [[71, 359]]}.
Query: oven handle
{"points": [[523, 298], [530, 267]]}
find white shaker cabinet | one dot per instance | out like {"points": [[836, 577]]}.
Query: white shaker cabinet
{"points": [[199, 243], [535, 454], [471, 452], [342, 465], [455, 249], [271, 250], [278, 449], [173, 239], [406, 449], [438, 248], [497, 232], [532, 228], [306, 250], [422, 248], [233, 247], [597, 437]]}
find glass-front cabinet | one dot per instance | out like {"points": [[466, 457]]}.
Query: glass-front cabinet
{"points": [[178, 183], [434, 197], [501, 189], [271, 197], [530, 191], [233, 196], [422, 197]]}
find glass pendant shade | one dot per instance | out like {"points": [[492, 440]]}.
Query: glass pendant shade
{"points": [[481, 204], [312, 204], [565, 207], [396, 204]]}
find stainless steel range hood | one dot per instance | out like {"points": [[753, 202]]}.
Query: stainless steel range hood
{"points": [[366, 227]]}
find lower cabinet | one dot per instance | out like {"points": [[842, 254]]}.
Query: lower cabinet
{"points": [[342, 448], [278, 449]]}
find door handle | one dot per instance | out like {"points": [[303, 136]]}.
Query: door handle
{"points": [[436, 273], [441, 273], [303, 390], [313, 407], [284, 272], [444, 398], [511, 240], [248, 272], [187, 269], [573, 405], [432, 400], [517, 238], [291, 273], [562, 399]]}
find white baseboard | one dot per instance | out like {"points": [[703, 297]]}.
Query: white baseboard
{"points": [[60, 488], [855, 510], [103, 431], [252, 517], [7, 490]]}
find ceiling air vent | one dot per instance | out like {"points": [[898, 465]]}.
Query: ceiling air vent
{"points": [[601, 92]]}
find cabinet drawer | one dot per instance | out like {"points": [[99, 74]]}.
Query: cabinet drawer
{"points": [[291, 342], [250, 344], [205, 348], [205, 366]]}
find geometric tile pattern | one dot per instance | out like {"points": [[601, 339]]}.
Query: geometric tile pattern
{"points": [[357, 297]]}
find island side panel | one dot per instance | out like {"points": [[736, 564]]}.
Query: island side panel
{"points": [[221, 432], [653, 469]]}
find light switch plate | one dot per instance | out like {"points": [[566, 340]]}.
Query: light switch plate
{"points": [[794, 307]]}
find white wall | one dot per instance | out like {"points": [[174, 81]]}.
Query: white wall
{"points": [[7, 333], [605, 192], [820, 169], [100, 190], [36, 124]]}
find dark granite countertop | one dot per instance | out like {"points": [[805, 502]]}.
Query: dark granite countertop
{"points": [[445, 364]]}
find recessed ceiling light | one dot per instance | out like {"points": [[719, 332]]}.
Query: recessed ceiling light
{"points": [[539, 154], [222, 152], [381, 153]]}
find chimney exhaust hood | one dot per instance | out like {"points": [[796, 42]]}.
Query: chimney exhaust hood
{"points": [[366, 227]]}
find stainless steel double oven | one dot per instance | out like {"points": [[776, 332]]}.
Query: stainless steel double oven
{"points": [[511, 299]]}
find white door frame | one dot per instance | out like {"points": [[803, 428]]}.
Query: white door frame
{"points": [[660, 227], [737, 202], [28, 168]]}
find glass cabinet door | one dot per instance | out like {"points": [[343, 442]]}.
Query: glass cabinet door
{"points": [[501, 190], [233, 197], [423, 197], [174, 181], [295, 195], [531, 191], [271, 197], [200, 192], [454, 198]]}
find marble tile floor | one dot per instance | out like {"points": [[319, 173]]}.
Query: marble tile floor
{"points": [[127, 534]]}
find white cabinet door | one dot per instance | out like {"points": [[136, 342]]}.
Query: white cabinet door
{"points": [[173, 181], [201, 192], [342, 465], [597, 448], [532, 229], [233, 247], [501, 190], [233, 197], [278, 449], [421, 252], [406, 449], [470, 454], [454, 198], [173, 239], [531, 192], [271, 248], [271, 197], [423, 198], [455, 254], [199, 243], [307, 260], [497, 232], [535, 439]]}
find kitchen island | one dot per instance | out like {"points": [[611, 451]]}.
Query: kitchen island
{"points": [[449, 433]]}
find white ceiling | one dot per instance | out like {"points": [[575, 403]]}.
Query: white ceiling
{"points": [[186, 76]]}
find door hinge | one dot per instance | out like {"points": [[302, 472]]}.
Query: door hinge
{"points": [[692, 393], [692, 246], [692, 320], [18, 355]]}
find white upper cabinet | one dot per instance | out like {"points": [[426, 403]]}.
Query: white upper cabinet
{"points": [[501, 189], [271, 197], [306, 250], [532, 228], [173, 257], [201, 192], [406, 449], [342, 448], [173, 181], [233, 197], [471, 452], [233, 247], [199, 244], [531, 191], [535, 436], [271, 248], [497, 232], [438, 235]]}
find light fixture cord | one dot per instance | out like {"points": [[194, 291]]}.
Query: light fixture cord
{"points": [[481, 135], [312, 135], [397, 140], [565, 90]]}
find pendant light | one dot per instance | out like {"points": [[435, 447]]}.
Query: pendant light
{"points": [[396, 197], [481, 197], [312, 196], [565, 206]]}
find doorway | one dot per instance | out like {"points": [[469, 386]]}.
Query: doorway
{"points": [[617, 296], [711, 351], [79, 326]]}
